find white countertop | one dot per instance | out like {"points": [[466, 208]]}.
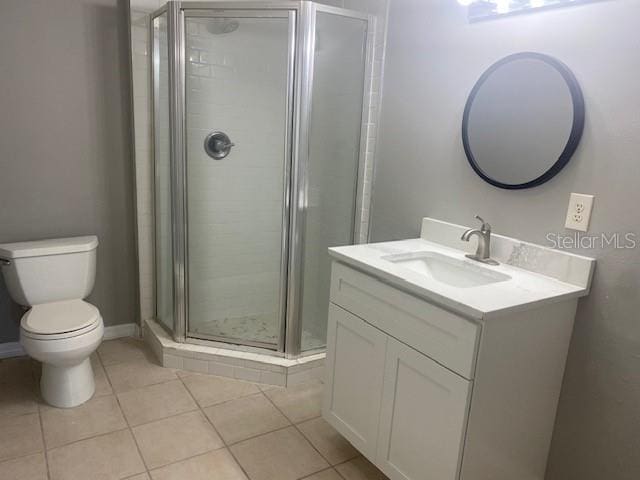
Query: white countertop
{"points": [[524, 290]]}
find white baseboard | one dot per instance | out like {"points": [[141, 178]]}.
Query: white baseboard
{"points": [[11, 349], [14, 349], [119, 331]]}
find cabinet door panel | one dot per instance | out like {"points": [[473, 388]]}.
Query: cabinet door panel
{"points": [[355, 370], [423, 417]]}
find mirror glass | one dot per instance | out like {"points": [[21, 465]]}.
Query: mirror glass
{"points": [[523, 121]]}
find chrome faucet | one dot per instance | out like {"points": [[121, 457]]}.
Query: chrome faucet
{"points": [[483, 252]]}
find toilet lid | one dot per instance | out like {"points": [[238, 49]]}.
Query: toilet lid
{"points": [[59, 317]]}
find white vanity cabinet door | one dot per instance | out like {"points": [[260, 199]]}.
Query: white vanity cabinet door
{"points": [[355, 369], [423, 417]]}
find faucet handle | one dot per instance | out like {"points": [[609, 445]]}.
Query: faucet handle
{"points": [[485, 226]]}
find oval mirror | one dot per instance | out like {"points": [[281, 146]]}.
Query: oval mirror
{"points": [[523, 120]]}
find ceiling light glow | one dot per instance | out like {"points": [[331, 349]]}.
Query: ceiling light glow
{"points": [[502, 6]]}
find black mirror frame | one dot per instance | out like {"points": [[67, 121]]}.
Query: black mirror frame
{"points": [[576, 129]]}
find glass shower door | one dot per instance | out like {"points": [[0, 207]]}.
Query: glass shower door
{"points": [[339, 60], [238, 83]]}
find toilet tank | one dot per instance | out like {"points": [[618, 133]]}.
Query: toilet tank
{"points": [[51, 270]]}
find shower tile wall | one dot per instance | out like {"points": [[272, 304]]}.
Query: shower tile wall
{"points": [[143, 162], [235, 204]]}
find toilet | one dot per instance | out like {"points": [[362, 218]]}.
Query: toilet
{"points": [[60, 329]]}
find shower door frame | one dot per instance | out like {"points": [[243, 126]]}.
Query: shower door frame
{"points": [[301, 48], [305, 62]]}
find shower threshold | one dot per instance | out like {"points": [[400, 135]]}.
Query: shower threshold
{"points": [[227, 362]]}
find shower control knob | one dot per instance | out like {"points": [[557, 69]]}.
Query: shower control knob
{"points": [[218, 145]]}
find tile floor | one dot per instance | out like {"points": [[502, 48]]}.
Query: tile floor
{"points": [[147, 422]]}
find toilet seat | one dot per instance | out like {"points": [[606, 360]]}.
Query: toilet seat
{"points": [[58, 320]]}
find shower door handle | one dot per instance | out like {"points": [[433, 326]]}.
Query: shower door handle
{"points": [[218, 145]]}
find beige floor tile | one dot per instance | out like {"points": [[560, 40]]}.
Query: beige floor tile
{"points": [[176, 438], [155, 402], [281, 455], [135, 374], [110, 456], [300, 402], [32, 467], [245, 417], [185, 373], [123, 350], [360, 469], [17, 370], [18, 399], [329, 474], [216, 465], [103, 387], [333, 446], [209, 390], [95, 417], [142, 476], [20, 436]]}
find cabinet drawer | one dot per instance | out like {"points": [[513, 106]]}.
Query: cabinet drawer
{"points": [[447, 338]]}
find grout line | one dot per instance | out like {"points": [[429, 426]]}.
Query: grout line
{"points": [[30, 454], [227, 401], [260, 435], [224, 401], [295, 425], [163, 418], [342, 463], [58, 447], [126, 420], [139, 388], [19, 414], [10, 459], [190, 457], [321, 471], [226, 446], [44, 445], [44, 442]]}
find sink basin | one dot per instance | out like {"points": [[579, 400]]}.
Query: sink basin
{"points": [[448, 270]]}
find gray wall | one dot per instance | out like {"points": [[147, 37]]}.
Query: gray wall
{"points": [[434, 57], [65, 146]]}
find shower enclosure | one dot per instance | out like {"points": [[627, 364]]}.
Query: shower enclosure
{"points": [[258, 159]]}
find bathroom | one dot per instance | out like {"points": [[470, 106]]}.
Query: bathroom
{"points": [[258, 210]]}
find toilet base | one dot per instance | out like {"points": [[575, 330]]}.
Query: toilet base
{"points": [[67, 386]]}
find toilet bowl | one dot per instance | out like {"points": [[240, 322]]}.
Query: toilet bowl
{"points": [[60, 330], [63, 335]]}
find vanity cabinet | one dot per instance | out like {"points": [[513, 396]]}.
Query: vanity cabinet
{"points": [[427, 394], [422, 416], [358, 364], [377, 385]]}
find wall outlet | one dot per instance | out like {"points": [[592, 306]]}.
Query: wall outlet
{"points": [[579, 212]]}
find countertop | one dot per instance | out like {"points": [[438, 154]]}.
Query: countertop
{"points": [[525, 290]]}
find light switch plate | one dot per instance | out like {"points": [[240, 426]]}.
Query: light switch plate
{"points": [[579, 212]]}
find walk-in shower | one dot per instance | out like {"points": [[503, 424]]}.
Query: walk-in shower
{"points": [[258, 157]]}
